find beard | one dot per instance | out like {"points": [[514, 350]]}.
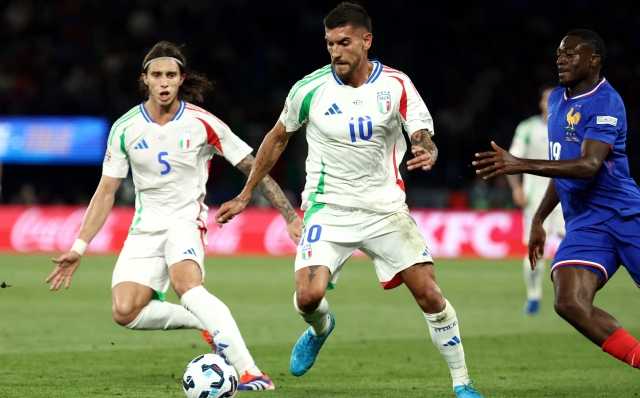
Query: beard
{"points": [[348, 74]]}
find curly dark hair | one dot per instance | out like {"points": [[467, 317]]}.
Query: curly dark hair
{"points": [[194, 85]]}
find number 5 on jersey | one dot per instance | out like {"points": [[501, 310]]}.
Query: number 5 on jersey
{"points": [[164, 162]]}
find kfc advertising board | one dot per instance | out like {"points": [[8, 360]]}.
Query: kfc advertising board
{"points": [[449, 234]]}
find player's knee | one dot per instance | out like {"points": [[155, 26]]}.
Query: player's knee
{"points": [[182, 287], [308, 300], [124, 313], [569, 308], [430, 302]]}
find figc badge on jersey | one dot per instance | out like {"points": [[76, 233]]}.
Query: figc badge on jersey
{"points": [[306, 251], [184, 140], [384, 101]]}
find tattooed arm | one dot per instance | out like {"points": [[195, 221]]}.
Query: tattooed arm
{"points": [[271, 191], [424, 150]]}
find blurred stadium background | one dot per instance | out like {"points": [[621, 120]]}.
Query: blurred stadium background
{"points": [[477, 65]]}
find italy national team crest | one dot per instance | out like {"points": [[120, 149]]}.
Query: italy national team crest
{"points": [[184, 140], [306, 251], [384, 101]]}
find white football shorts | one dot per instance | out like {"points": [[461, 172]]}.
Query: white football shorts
{"points": [[332, 233], [146, 257]]}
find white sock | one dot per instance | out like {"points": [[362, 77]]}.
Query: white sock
{"points": [[217, 319], [445, 334], [162, 315], [533, 279], [319, 320]]}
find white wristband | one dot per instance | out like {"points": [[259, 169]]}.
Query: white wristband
{"points": [[79, 246]]}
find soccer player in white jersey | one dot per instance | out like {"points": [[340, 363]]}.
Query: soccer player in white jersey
{"points": [[531, 142], [168, 144], [354, 111]]}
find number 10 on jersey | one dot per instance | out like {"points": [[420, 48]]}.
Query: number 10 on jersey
{"points": [[361, 128]]}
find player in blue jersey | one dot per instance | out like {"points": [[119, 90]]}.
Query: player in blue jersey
{"points": [[590, 178]]}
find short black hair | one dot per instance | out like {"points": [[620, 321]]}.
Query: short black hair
{"points": [[348, 14], [593, 39]]}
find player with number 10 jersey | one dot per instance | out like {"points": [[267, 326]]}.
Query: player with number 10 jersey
{"points": [[355, 136], [354, 110]]}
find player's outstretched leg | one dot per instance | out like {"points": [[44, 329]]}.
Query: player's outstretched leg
{"points": [[533, 282], [217, 319], [321, 324], [575, 290], [443, 325]]}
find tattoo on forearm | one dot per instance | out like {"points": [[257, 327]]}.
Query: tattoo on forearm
{"points": [[270, 190], [423, 138]]}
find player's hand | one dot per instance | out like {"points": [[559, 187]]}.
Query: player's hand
{"points": [[67, 265], [294, 229], [497, 162], [422, 159], [230, 209], [537, 239], [519, 198]]}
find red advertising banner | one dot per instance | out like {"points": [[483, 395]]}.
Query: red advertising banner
{"points": [[449, 234]]}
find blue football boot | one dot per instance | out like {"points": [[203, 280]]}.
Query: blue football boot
{"points": [[466, 391], [306, 349], [532, 307]]}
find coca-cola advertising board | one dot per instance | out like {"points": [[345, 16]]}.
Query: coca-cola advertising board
{"points": [[449, 234]]}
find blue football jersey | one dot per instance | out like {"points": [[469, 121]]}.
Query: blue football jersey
{"points": [[598, 114]]}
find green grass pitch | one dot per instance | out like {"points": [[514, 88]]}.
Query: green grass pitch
{"points": [[66, 344]]}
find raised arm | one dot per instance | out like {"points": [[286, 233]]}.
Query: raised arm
{"points": [[424, 150], [271, 191], [592, 156], [95, 217], [272, 147]]}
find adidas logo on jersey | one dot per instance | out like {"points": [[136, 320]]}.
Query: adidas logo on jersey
{"points": [[142, 145], [190, 251], [334, 110]]}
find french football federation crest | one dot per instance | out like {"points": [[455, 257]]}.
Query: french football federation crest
{"points": [[184, 140], [572, 119], [384, 101]]}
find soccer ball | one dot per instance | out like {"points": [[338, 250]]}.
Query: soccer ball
{"points": [[209, 376]]}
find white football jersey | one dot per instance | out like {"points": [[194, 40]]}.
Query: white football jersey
{"points": [[531, 141], [170, 163], [355, 136]]}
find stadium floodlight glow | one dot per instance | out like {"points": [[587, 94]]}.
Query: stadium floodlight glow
{"points": [[54, 140]]}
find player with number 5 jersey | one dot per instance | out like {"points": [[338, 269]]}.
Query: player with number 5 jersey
{"points": [[168, 144], [354, 110]]}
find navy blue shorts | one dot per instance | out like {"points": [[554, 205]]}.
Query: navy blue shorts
{"points": [[602, 248]]}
